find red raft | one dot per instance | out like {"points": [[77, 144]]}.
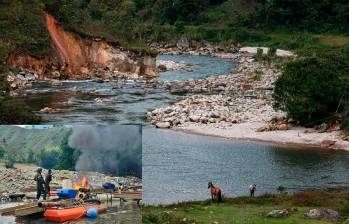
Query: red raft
{"points": [[68, 214]]}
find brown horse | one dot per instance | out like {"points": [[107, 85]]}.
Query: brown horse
{"points": [[216, 193]]}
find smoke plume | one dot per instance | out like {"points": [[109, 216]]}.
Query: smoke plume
{"points": [[111, 149]]}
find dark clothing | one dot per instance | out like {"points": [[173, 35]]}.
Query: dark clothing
{"points": [[252, 192], [48, 179], [40, 186]]}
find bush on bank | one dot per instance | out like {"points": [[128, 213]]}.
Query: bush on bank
{"points": [[313, 90]]}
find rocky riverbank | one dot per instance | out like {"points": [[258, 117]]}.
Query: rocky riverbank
{"points": [[238, 105], [21, 180]]}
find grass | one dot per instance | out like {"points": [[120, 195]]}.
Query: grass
{"points": [[245, 210]]}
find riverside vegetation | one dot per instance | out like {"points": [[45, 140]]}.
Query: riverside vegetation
{"points": [[310, 28], [313, 207]]}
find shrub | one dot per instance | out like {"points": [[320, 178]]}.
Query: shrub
{"points": [[9, 161], [309, 90], [2, 152], [259, 54]]}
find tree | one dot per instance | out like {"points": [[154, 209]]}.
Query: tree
{"points": [[67, 156], [310, 90], [49, 157], [2, 152]]}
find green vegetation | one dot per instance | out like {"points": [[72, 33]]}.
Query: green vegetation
{"points": [[311, 90], [311, 28], [13, 111], [251, 210], [45, 147]]}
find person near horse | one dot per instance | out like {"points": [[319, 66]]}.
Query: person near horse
{"points": [[216, 193], [48, 179], [40, 184], [252, 188]]}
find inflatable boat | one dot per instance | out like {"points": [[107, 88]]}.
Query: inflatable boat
{"points": [[69, 214]]}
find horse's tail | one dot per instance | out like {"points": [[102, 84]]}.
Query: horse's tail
{"points": [[219, 197]]}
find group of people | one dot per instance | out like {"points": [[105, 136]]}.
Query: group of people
{"points": [[42, 185]]}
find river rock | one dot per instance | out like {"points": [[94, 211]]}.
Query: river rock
{"points": [[55, 82], [163, 125], [279, 52], [50, 110], [325, 213], [278, 213], [327, 144]]}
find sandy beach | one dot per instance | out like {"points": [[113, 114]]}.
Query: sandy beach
{"points": [[295, 136]]}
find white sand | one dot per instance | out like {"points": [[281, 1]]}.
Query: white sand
{"points": [[295, 136]]}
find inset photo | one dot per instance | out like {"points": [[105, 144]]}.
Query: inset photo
{"points": [[193, 178], [70, 173]]}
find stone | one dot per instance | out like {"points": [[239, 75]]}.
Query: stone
{"points": [[163, 125], [278, 213], [49, 110], [282, 127], [55, 82], [325, 213], [194, 118], [327, 143]]}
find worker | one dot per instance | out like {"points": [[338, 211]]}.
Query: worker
{"points": [[48, 179], [252, 188], [40, 184]]}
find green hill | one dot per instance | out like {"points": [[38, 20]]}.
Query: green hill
{"points": [[40, 146]]}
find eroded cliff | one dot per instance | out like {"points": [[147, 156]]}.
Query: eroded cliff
{"points": [[75, 57]]}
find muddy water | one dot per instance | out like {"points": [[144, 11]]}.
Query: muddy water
{"points": [[127, 214], [122, 102], [177, 167]]}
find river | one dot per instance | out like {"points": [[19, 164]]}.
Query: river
{"points": [[177, 167], [116, 101]]}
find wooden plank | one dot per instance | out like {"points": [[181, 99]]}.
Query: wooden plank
{"points": [[28, 211], [6, 211]]}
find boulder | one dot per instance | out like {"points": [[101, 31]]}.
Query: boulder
{"points": [[55, 82], [325, 213], [163, 125], [49, 110], [194, 118], [327, 144], [278, 213], [282, 127]]}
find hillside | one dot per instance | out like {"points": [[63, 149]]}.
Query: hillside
{"points": [[39, 146]]}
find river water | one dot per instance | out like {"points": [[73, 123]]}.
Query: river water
{"points": [[177, 167], [116, 101]]}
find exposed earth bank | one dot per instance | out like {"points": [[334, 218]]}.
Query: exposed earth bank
{"points": [[238, 105], [73, 56]]}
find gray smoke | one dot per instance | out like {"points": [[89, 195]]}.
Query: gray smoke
{"points": [[111, 149]]}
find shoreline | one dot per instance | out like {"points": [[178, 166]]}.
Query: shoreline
{"points": [[239, 106], [228, 134]]}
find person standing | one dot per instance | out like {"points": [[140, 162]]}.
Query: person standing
{"points": [[48, 179], [40, 184], [252, 188]]}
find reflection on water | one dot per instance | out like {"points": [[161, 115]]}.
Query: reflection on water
{"points": [[127, 214], [122, 102], [179, 165]]}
